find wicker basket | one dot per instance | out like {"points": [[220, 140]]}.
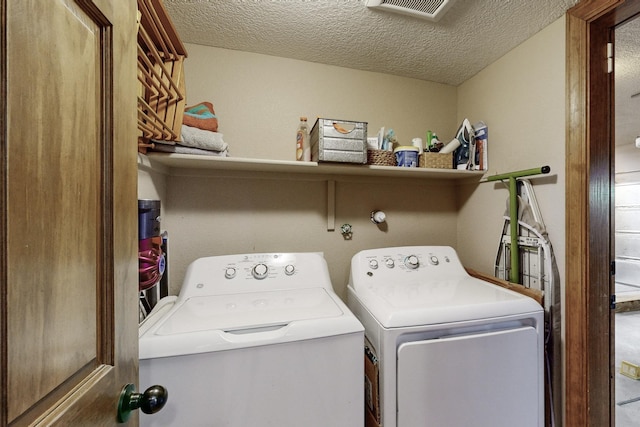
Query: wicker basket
{"points": [[381, 158], [436, 160]]}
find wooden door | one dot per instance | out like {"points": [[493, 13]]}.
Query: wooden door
{"points": [[68, 264]]}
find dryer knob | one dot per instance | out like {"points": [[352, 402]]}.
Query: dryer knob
{"points": [[289, 269], [260, 271], [373, 264], [411, 262], [389, 263]]}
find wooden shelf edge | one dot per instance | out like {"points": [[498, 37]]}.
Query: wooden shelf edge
{"points": [[190, 161]]}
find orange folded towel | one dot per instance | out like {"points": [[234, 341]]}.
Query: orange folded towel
{"points": [[201, 116]]}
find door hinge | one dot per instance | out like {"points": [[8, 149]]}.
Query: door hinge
{"points": [[612, 302], [612, 268], [609, 58]]}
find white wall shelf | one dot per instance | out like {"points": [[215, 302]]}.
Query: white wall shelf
{"points": [[189, 161]]}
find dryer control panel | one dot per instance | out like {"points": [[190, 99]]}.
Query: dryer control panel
{"points": [[413, 263]]}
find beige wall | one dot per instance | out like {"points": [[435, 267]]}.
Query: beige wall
{"points": [[152, 183], [259, 99], [521, 97], [219, 215]]}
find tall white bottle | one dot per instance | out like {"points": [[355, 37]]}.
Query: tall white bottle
{"points": [[303, 151]]}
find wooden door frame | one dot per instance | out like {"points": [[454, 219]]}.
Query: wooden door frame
{"points": [[589, 367]]}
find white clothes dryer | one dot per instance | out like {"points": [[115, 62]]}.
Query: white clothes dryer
{"points": [[444, 348], [254, 340]]}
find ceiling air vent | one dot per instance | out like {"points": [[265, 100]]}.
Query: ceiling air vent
{"points": [[431, 10]]}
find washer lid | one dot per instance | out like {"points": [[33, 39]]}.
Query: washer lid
{"points": [[227, 322], [441, 301], [248, 311]]}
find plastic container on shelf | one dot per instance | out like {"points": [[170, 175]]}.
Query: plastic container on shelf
{"points": [[303, 149], [406, 156]]}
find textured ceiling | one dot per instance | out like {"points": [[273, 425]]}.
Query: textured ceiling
{"points": [[470, 36]]}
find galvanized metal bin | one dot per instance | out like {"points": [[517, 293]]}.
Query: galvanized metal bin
{"points": [[341, 141]]}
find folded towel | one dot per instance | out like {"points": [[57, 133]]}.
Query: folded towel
{"points": [[201, 116], [203, 139], [180, 149]]}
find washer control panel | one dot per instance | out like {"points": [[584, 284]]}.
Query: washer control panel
{"points": [[252, 272], [261, 267]]}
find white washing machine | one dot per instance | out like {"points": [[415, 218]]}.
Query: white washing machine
{"points": [[444, 348], [254, 340]]}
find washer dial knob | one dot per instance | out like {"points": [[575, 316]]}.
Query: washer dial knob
{"points": [[411, 262], [260, 271], [434, 260], [373, 264], [289, 269], [389, 263], [230, 272]]}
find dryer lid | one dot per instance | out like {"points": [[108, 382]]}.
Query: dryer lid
{"points": [[441, 301], [247, 311]]}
